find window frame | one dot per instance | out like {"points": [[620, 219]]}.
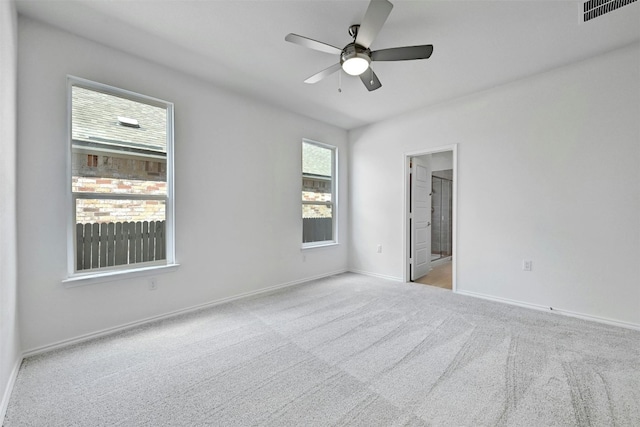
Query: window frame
{"points": [[334, 194], [75, 277]]}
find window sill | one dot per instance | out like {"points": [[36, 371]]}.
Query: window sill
{"points": [[318, 245], [112, 276]]}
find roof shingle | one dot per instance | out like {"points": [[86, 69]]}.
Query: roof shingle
{"points": [[95, 119]]}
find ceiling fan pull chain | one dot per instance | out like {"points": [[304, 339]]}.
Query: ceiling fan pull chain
{"points": [[371, 81], [339, 81]]}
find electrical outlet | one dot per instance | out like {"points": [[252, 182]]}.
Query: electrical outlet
{"points": [[526, 265], [379, 249], [153, 284]]}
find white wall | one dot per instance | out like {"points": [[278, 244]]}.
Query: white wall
{"points": [[238, 187], [560, 152], [442, 161], [10, 352]]}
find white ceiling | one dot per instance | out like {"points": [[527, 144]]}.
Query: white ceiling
{"points": [[240, 45]]}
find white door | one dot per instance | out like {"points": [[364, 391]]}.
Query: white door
{"points": [[420, 216]]}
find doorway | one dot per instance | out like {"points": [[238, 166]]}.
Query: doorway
{"points": [[439, 269]]}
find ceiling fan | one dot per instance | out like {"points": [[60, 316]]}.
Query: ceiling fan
{"points": [[356, 57]]}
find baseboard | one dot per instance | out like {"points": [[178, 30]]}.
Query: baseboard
{"points": [[380, 276], [439, 261], [130, 325], [6, 395], [605, 320]]}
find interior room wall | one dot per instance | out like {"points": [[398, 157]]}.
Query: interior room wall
{"points": [[442, 161], [238, 192], [540, 145], [10, 351]]}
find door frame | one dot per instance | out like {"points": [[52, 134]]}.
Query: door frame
{"points": [[406, 250]]}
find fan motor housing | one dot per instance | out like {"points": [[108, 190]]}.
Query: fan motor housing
{"points": [[353, 50]]}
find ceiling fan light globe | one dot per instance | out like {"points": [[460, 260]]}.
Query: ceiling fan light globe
{"points": [[355, 66]]}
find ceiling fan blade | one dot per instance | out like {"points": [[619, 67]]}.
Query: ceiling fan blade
{"points": [[374, 18], [322, 74], [312, 44], [370, 80], [403, 53]]}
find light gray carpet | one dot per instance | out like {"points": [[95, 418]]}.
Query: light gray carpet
{"points": [[347, 350]]}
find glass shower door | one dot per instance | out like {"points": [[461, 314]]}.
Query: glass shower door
{"points": [[441, 217]]}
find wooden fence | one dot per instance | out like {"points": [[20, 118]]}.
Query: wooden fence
{"points": [[317, 229], [118, 243]]}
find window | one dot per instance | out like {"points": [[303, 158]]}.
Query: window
{"points": [[121, 180], [318, 194]]}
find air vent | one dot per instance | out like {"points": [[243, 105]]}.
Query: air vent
{"points": [[595, 8], [126, 121]]}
